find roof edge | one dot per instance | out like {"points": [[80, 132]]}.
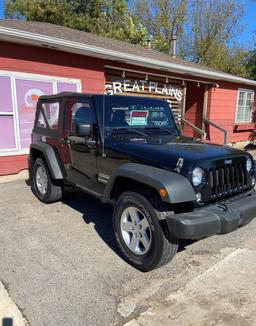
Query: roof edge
{"points": [[24, 37]]}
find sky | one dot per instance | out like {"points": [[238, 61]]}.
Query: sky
{"points": [[1, 8], [249, 21]]}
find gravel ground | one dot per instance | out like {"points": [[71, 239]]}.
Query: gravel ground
{"points": [[61, 266]]}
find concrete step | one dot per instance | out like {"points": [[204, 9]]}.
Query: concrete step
{"points": [[222, 295]]}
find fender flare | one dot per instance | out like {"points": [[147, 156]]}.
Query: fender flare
{"points": [[52, 159], [178, 188]]}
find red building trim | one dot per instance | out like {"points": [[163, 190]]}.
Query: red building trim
{"points": [[90, 71], [13, 164]]}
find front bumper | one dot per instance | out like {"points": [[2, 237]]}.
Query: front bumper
{"points": [[221, 218]]}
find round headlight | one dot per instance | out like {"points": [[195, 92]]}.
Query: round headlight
{"points": [[197, 176], [248, 164]]}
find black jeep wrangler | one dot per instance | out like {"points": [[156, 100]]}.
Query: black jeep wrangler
{"points": [[129, 152]]}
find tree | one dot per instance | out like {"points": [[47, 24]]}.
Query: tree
{"points": [[105, 17], [234, 60], [251, 60], [205, 30], [162, 19], [212, 26], [251, 64], [52, 11], [116, 22]]}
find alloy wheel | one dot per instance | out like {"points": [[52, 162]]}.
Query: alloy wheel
{"points": [[135, 231]]}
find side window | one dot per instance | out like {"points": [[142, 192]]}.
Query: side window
{"points": [[81, 114], [41, 122], [120, 116], [49, 116]]}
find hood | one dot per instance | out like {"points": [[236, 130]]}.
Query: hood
{"points": [[166, 151]]}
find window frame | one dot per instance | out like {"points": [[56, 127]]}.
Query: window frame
{"points": [[68, 112], [246, 91]]}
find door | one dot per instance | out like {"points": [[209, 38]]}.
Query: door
{"points": [[80, 139]]}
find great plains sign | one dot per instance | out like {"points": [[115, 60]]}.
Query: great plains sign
{"points": [[143, 86]]}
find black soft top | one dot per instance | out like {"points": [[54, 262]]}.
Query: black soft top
{"points": [[65, 94], [88, 95]]}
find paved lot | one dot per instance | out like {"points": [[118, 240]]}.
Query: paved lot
{"points": [[60, 265]]}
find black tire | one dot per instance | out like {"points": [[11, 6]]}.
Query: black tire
{"points": [[53, 192], [161, 249]]}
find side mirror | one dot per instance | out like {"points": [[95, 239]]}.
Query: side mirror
{"points": [[83, 129]]}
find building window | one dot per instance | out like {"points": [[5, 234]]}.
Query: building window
{"points": [[244, 105], [27, 93], [19, 93], [7, 118]]}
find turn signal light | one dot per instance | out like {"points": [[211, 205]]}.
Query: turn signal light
{"points": [[163, 192]]}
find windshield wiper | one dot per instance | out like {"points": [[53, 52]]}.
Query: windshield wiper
{"points": [[164, 129], [129, 129]]}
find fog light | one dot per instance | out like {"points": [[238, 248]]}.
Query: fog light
{"points": [[198, 197], [253, 181]]}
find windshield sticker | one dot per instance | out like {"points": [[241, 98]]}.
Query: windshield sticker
{"points": [[138, 118]]}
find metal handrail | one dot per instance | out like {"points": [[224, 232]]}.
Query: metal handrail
{"points": [[215, 125], [200, 131]]}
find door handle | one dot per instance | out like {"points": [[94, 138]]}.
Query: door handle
{"points": [[65, 141]]}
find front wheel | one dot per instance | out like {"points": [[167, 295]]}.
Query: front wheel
{"points": [[139, 233]]}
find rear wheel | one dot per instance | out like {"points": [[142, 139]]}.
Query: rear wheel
{"points": [[44, 187], [139, 233]]}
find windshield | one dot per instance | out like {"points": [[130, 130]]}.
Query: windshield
{"points": [[128, 114]]}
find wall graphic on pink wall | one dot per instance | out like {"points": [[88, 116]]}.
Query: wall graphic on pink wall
{"points": [[27, 93]]}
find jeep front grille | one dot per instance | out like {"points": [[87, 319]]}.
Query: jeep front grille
{"points": [[228, 179]]}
